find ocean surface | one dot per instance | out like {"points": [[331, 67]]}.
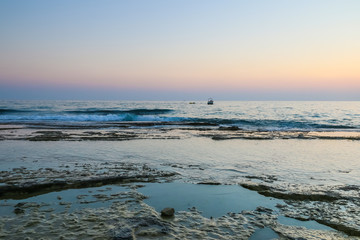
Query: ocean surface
{"points": [[284, 168], [272, 116]]}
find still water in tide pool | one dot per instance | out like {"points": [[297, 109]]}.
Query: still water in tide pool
{"points": [[211, 201]]}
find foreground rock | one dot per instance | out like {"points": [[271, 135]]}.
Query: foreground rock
{"points": [[22, 183], [168, 212], [130, 218]]}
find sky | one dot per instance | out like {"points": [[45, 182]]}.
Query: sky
{"points": [[180, 50]]}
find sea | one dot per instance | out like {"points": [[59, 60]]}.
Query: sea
{"points": [[270, 116], [231, 170]]}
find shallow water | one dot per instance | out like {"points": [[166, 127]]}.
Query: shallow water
{"points": [[67, 200], [307, 224], [264, 234], [315, 162], [210, 200]]}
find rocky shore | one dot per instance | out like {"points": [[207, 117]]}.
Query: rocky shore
{"points": [[124, 215], [164, 130], [81, 196]]}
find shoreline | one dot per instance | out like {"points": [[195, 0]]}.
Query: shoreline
{"points": [[47, 173], [143, 130], [303, 207]]}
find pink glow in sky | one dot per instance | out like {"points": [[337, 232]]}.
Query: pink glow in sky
{"points": [[296, 45]]}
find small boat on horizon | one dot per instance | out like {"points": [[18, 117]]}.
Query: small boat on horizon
{"points": [[210, 101]]}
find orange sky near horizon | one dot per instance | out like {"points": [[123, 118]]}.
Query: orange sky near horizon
{"points": [[285, 45], [241, 73]]}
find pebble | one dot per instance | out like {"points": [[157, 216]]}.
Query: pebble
{"points": [[167, 212]]}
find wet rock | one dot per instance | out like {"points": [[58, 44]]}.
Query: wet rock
{"points": [[146, 226], [281, 206], [350, 188], [19, 211], [131, 220], [167, 212], [232, 128], [264, 210], [124, 233], [81, 196], [278, 193], [20, 204], [209, 183], [17, 185], [49, 136]]}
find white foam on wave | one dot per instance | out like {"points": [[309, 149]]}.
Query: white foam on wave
{"points": [[84, 118]]}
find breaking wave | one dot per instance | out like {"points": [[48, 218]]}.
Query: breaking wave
{"points": [[175, 115], [85, 117], [9, 111], [270, 125], [90, 114], [131, 111]]}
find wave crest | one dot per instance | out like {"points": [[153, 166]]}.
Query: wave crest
{"points": [[141, 111]]}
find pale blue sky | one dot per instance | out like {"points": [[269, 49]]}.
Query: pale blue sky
{"points": [[234, 50]]}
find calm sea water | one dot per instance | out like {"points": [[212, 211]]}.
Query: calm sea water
{"points": [[315, 116]]}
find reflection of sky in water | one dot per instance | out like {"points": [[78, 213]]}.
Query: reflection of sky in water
{"points": [[211, 201], [214, 201], [307, 224], [264, 234], [328, 162], [70, 200]]}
